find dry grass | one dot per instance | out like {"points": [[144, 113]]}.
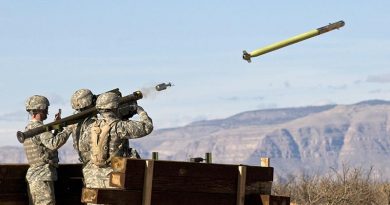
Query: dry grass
{"points": [[348, 186]]}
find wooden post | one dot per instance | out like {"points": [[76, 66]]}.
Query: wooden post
{"points": [[208, 157], [117, 179], [155, 155], [265, 162], [118, 164], [241, 185], [148, 179], [89, 195]]}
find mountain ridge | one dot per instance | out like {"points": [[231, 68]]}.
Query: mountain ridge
{"points": [[298, 140]]}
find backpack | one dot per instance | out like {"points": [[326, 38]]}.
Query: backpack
{"points": [[100, 133]]}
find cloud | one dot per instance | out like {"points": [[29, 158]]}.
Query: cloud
{"points": [[56, 99], [257, 98], [385, 78], [286, 84], [236, 98], [267, 105], [178, 121], [323, 102], [14, 116], [375, 91], [338, 87]]}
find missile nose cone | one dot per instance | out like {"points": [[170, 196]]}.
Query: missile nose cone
{"points": [[162, 86]]}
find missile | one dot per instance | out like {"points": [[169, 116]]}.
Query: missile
{"points": [[163, 86], [315, 32]]}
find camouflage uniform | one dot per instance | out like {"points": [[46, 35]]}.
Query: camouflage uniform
{"points": [[80, 142], [115, 145], [82, 99], [42, 156]]}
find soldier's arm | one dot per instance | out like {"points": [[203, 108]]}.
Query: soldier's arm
{"points": [[54, 142], [136, 129]]}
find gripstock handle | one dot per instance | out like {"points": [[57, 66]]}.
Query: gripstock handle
{"points": [[30, 133]]}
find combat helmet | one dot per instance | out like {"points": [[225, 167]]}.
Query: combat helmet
{"points": [[37, 102], [107, 101], [81, 98]]}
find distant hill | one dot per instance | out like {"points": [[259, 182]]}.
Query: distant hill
{"points": [[298, 140]]}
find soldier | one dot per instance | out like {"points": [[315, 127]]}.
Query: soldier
{"points": [[81, 100], [41, 152], [108, 136]]}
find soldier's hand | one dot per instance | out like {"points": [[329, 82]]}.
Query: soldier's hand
{"points": [[57, 116], [140, 109]]}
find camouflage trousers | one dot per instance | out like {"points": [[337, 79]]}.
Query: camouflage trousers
{"points": [[95, 177], [41, 193]]}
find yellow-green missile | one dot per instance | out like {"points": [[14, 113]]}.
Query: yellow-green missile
{"points": [[247, 56]]}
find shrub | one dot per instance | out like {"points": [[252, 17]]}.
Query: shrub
{"points": [[344, 187]]}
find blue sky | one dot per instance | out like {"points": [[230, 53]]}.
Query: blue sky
{"points": [[53, 48]]}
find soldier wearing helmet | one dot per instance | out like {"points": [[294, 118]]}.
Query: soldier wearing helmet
{"points": [[81, 100], [109, 135], [41, 152]]}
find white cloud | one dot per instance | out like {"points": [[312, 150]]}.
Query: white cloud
{"points": [[286, 84], [267, 105], [385, 78], [338, 87], [323, 102], [375, 91], [14, 116]]}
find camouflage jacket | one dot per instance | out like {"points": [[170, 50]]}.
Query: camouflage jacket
{"points": [[81, 141], [41, 152], [120, 131]]}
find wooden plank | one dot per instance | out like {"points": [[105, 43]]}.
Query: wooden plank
{"points": [[119, 164], [259, 180], [22, 198], [70, 180], [13, 185], [69, 199], [133, 197], [147, 192], [265, 162], [111, 196], [69, 185], [70, 171], [117, 180], [14, 199], [14, 171], [18, 171], [241, 185], [267, 199], [191, 177]]}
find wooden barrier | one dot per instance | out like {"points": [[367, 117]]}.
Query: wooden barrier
{"points": [[151, 182], [189, 177], [259, 199], [13, 185], [134, 197]]}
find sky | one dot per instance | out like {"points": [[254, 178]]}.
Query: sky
{"points": [[54, 48]]}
